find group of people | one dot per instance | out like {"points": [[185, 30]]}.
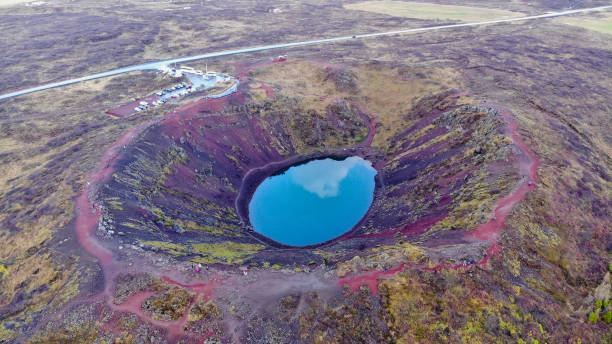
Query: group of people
{"points": [[467, 262], [198, 268]]}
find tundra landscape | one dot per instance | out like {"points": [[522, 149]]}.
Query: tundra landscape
{"points": [[127, 208]]}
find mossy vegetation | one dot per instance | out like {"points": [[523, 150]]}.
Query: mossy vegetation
{"points": [[3, 271], [228, 252], [129, 284], [602, 310], [203, 309], [432, 309], [170, 304], [7, 334], [87, 332]]}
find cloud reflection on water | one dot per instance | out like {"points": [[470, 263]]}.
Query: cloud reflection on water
{"points": [[323, 177]]}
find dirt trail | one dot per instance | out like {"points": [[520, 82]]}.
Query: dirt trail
{"points": [[372, 120], [88, 212], [528, 165], [369, 279]]}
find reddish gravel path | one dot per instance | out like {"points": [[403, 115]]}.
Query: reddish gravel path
{"points": [[369, 279], [528, 165], [88, 212]]}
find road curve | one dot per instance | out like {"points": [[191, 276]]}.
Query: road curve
{"points": [[157, 64]]}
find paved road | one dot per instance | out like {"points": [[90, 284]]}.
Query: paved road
{"points": [[157, 64]]}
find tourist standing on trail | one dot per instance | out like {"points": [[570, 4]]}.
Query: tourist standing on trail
{"points": [[199, 267]]}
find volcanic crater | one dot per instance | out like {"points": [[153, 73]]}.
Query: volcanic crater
{"points": [[182, 186]]}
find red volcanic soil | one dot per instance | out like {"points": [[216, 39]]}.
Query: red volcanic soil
{"points": [[369, 279], [127, 109], [199, 288]]}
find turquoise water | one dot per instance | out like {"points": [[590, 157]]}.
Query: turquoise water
{"points": [[314, 202]]}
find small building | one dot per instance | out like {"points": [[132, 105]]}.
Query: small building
{"points": [[190, 70]]}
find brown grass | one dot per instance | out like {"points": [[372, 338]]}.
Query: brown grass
{"points": [[381, 89], [390, 96], [422, 10]]}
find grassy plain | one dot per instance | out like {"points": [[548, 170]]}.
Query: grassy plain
{"points": [[423, 10], [602, 24], [12, 2]]}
